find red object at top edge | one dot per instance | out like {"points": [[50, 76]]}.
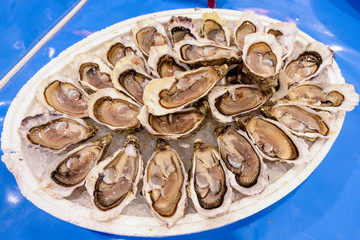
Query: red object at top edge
{"points": [[211, 3]]}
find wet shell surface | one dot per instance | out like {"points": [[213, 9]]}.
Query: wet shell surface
{"points": [[283, 160], [64, 176], [164, 185], [209, 186], [247, 170], [112, 184]]}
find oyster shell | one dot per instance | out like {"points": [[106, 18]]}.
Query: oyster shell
{"points": [[165, 180], [205, 53], [169, 95], [117, 49], [262, 58], [247, 170], [209, 186], [286, 34], [115, 110], [54, 133], [233, 100], [148, 33], [64, 176], [176, 125], [214, 28], [93, 73], [112, 184], [130, 79], [248, 23], [273, 140], [180, 28], [331, 97], [59, 93], [300, 120], [164, 63]]}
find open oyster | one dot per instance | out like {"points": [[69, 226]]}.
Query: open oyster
{"points": [[262, 57], [164, 63], [247, 171], [148, 33], [176, 125], [205, 53], [286, 34], [209, 186], [233, 100], [300, 120], [130, 79], [62, 177], [59, 93], [332, 97], [93, 73], [112, 184], [54, 133], [248, 23], [115, 110], [214, 28], [165, 180], [273, 140], [180, 28], [169, 95], [117, 49]]}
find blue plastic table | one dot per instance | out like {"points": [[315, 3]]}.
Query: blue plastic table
{"points": [[325, 206]]}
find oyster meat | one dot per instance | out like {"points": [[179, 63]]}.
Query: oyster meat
{"points": [[229, 101], [215, 29], [165, 180], [112, 184], [247, 171], [115, 110], [272, 139], [169, 95], [176, 125], [180, 28], [130, 79], [54, 133], [62, 178], [163, 62], [209, 186]]}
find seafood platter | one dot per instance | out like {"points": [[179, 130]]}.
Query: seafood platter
{"points": [[175, 122]]}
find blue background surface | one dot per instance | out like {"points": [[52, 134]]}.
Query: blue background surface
{"points": [[325, 206]]}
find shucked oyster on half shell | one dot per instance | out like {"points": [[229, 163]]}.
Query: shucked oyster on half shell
{"points": [[248, 23], [180, 28], [262, 58], [286, 34], [164, 63], [171, 94], [214, 28], [115, 110], [62, 177], [130, 78], [113, 51], [61, 94], [148, 33], [93, 74], [302, 121], [54, 133], [176, 125], [209, 186], [247, 170], [329, 97], [165, 180], [229, 101], [273, 140], [112, 184], [205, 53]]}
